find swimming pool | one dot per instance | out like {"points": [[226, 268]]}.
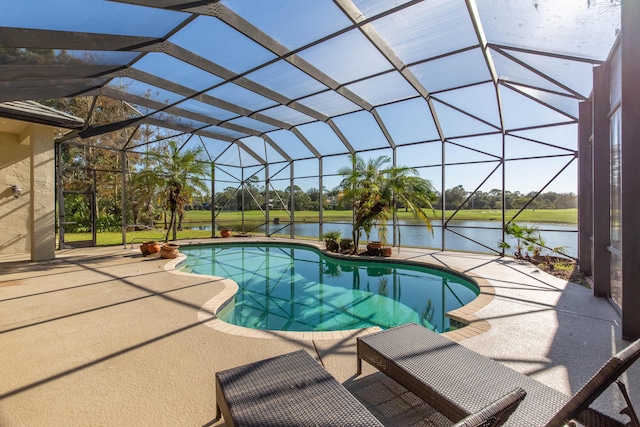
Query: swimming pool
{"points": [[296, 288]]}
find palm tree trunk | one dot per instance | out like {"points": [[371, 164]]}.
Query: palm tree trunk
{"points": [[172, 223], [355, 234], [180, 218], [395, 221]]}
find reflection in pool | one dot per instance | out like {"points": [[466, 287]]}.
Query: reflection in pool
{"points": [[296, 288]]}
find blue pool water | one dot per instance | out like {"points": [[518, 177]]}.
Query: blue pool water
{"points": [[296, 288]]}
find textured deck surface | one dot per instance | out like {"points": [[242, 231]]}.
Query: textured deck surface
{"points": [[105, 336]]}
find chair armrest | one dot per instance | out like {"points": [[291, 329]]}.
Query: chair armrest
{"points": [[496, 413]]}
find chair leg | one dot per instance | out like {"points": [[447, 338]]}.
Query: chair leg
{"points": [[629, 411]]}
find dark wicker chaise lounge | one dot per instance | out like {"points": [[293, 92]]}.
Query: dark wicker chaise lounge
{"points": [[294, 390], [288, 390], [457, 381]]}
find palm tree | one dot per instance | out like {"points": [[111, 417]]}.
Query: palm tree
{"points": [[375, 192], [360, 186], [181, 172]]}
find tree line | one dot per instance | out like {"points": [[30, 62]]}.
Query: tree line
{"points": [[231, 199], [454, 197]]}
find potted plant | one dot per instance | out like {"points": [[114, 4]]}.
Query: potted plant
{"points": [[225, 232], [331, 239], [346, 244]]}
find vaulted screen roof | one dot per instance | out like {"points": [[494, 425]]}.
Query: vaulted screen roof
{"points": [[312, 77]]}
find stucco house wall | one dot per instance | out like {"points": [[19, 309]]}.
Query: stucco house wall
{"points": [[27, 223], [15, 216]]}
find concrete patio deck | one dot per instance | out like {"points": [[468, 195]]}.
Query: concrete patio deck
{"points": [[104, 336]]}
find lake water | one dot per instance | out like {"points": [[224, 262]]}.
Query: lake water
{"points": [[473, 236]]}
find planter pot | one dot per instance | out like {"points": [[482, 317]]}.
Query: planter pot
{"points": [[374, 246], [386, 251], [225, 232], [153, 247], [150, 248], [144, 248], [169, 251]]}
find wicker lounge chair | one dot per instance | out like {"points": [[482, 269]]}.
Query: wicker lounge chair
{"points": [[294, 390], [287, 390], [457, 381]]}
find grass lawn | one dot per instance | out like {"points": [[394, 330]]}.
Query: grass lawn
{"points": [[558, 216], [111, 238]]}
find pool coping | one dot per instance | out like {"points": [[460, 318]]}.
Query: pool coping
{"points": [[465, 315]]}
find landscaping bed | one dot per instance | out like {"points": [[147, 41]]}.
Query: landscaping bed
{"points": [[563, 268]]}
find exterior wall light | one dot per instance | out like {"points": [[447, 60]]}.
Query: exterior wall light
{"points": [[16, 190]]}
